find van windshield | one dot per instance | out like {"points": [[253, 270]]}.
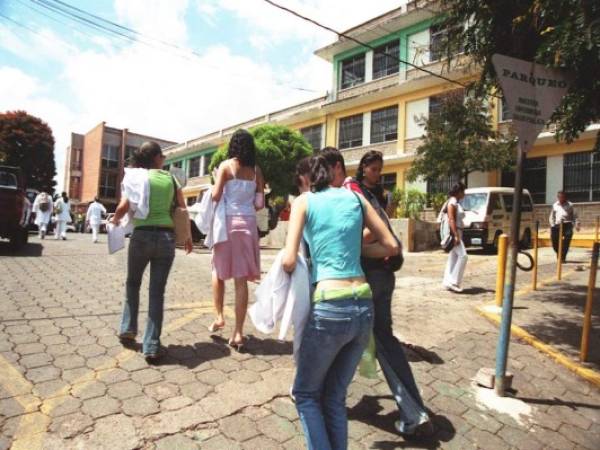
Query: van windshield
{"points": [[8, 180], [475, 202]]}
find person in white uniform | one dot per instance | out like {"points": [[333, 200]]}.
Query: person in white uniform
{"points": [[62, 214], [457, 258], [42, 207], [93, 217]]}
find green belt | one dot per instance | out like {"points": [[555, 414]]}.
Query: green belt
{"points": [[357, 292]]}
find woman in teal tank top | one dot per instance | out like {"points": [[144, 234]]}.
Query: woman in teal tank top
{"points": [[341, 319]]}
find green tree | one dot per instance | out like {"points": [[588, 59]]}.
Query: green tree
{"points": [[459, 140], [278, 150], [26, 142], [561, 34]]}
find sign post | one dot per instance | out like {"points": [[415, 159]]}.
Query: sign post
{"points": [[532, 93]]}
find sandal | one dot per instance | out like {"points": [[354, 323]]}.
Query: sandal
{"points": [[237, 346], [214, 327]]}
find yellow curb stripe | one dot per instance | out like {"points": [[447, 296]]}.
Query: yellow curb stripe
{"points": [[588, 374], [14, 382]]}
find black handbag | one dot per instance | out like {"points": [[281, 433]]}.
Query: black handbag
{"points": [[391, 263]]}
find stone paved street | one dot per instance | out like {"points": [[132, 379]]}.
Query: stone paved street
{"points": [[67, 383]]}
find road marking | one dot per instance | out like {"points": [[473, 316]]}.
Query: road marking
{"points": [[587, 374]]}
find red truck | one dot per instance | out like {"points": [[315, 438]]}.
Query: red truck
{"points": [[14, 207]]}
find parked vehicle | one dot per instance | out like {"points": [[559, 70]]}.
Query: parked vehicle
{"points": [[488, 214], [13, 206]]}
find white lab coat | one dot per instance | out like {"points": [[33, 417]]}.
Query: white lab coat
{"points": [[65, 214], [94, 213], [42, 217], [135, 187], [211, 220], [285, 298]]}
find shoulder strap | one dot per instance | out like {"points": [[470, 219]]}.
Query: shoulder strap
{"points": [[174, 201]]}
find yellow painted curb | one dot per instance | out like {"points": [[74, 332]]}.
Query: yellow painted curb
{"points": [[588, 374]]}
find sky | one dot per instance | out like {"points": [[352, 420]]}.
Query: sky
{"points": [[203, 65]]}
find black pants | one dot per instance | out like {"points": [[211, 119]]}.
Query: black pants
{"points": [[567, 236], [382, 283]]}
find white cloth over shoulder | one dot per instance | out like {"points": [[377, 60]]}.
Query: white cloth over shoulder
{"points": [[211, 220], [285, 298], [42, 217], [136, 189], [65, 210]]}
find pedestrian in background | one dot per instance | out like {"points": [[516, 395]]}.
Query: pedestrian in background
{"points": [[239, 184], [457, 258], [62, 215], [331, 220], [93, 217], [152, 242], [380, 276], [562, 212], [43, 208]]}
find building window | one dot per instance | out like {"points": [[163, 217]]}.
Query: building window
{"points": [[129, 151], [167, 167], [435, 104], [313, 136], [581, 176], [438, 39], [384, 65], [74, 187], [110, 156], [108, 185], [388, 181], [207, 159], [190, 201], [351, 130], [384, 125], [442, 185], [194, 167], [353, 71], [76, 159], [504, 112], [178, 164], [534, 178]]}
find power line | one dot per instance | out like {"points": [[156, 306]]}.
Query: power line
{"points": [[363, 44], [106, 26]]}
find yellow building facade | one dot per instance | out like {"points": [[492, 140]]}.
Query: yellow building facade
{"points": [[376, 103]]}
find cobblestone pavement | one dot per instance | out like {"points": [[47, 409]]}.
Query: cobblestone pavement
{"points": [[65, 382]]}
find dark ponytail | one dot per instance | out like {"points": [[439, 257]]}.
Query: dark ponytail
{"points": [[320, 174]]}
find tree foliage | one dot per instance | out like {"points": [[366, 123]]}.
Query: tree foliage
{"points": [[278, 150], [561, 34], [27, 142], [459, 140]]}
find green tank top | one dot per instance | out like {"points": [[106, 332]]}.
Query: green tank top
{"points": [[161, 200]]}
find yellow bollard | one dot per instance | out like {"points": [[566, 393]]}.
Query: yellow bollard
{"points": [[559, 256], [587, 315], [534, 274], [597, 228], [501, 274]]}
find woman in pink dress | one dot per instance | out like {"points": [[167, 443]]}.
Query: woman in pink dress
{"points": [[240, 185]]}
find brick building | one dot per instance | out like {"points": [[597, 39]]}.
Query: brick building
{"points": [[95, 162]]}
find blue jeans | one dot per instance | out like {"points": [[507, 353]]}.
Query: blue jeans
{"points": [[332, 344], [390, 353], [158, 249]]}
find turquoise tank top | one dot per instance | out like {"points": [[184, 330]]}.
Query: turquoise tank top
{"points": [[333, 231]]}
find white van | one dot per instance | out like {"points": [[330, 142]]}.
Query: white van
{"points": [[488, 213]]}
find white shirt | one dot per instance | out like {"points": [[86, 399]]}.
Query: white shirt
{"points": [[460, 212], [65, 210], [94, 213], [562, 213]]}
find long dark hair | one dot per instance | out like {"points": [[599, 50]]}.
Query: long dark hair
{"points": [[320, 173], [456, 189], [241, 146], [368, 158], [144, 156], [333, 156], [302, 169]]}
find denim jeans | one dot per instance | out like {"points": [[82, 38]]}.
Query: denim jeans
{"points": [[332, 345], [390, 353], [158, 249]]}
